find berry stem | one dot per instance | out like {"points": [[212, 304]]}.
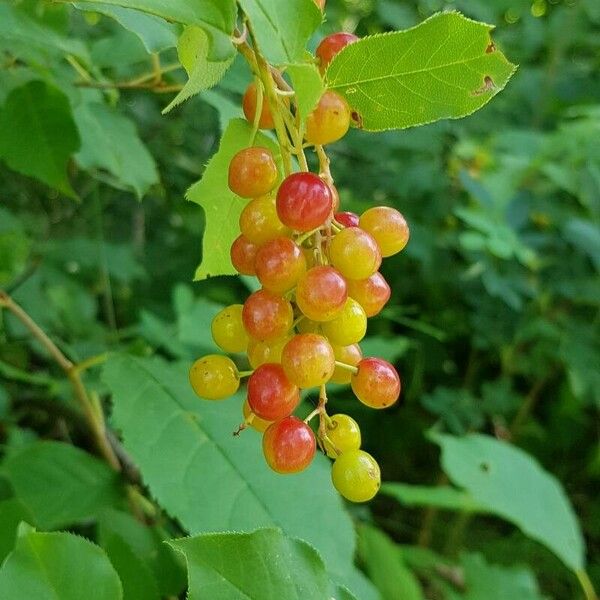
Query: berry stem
{"points": [[324, 164], [264, 72], [245, 373], [343, 365], [260, 98], [300, 240]]}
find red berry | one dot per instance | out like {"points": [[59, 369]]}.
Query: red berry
{"points": [[289, 445], [304, 201], [267, 316], [249, 103], [331, 45], [376, 383], [347, 219], [321, 293], [372, 293], [271, 395], [279, 264], [252, 172], [243, 252]]}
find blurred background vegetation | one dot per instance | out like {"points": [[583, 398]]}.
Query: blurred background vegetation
{"points": [[494, 318]]}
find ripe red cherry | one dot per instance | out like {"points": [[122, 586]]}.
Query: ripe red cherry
{"points": [[267, 316], [376, 383], [304, 201], [331, 45], [249, 102], [271, 395], [252, 172], [289, 445], [243, 253], [321, 293], [347, 219]]}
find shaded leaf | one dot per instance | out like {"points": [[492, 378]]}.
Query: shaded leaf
{"points": [[495, 582], [155, 33], [385, 566], [38, 135], [506, 481], [12, 512], [109, 141], [444, 497], [121, 532], [61, 485], [216, 17]]}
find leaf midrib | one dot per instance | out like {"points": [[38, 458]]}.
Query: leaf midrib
{"points": [[405, 73]]}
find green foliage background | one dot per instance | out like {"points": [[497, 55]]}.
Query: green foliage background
{"points": [[493, 323]]}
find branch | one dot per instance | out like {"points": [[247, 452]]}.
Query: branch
{"points": [[93, 416]]}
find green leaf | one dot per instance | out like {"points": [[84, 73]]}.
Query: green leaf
{"points": [[23, 35], [38, 135], [157, 560], [445, 68], [507, 482], [265, 564], [385, 566], [61, 485], [282, 29], [221, 206], [155, 33], [389, 348], [210, 480], [14, 247], [495, 582], [226, 109], [444, 497], [216, 17], [193, 49], [48, 566], [12, 512], [308, 85], [109, 141], [137, 579]]}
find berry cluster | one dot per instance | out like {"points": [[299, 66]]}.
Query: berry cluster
{"points": [[320, 281]]}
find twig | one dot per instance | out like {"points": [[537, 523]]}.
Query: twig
{"points": [[94, 418]]}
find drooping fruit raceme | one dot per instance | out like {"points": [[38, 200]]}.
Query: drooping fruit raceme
{"points": [[318, 281]]}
